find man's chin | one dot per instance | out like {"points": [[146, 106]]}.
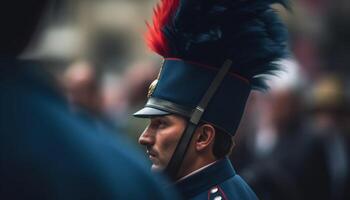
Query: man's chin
{"points": [[157, 168]]}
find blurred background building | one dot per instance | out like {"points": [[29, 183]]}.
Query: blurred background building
{"points": [[294, 141]]}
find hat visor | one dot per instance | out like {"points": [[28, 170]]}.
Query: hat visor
{"points": [[148, 112]]}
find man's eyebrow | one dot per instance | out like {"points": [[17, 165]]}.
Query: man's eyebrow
{"points": [[166, 117], [157, 118]]}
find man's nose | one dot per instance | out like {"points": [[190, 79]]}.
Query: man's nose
{"points": [[146, 138]]}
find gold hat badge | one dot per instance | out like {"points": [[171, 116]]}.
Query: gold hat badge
{"points": [[153, 85]]}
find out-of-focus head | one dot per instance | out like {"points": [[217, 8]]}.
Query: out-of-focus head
{"points": [[137, 79], [328, 95], [284, 102], [19, 21], [330, 104], [82, 87]]}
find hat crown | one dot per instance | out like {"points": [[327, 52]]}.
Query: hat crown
{"points": [[196, 37]]}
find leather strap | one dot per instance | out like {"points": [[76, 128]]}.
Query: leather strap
{"points": [[182, 146]]}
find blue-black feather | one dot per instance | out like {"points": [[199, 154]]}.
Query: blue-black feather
{"points": [[249, 32]]}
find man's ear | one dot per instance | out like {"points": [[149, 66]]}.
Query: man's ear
{"points": [[204, 137]]}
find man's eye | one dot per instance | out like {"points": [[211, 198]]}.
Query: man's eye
{"points": [[162, 124]]}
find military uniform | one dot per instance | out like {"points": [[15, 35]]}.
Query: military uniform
{"points": [[215, 53], [217, 181]]}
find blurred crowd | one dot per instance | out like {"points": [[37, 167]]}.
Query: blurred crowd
{"points": [[294, 141], [299, 145]]}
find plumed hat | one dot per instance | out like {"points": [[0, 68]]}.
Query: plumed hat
{"points": [[215, 52]]}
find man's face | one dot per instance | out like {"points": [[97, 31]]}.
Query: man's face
{"points": [[161, 137]]}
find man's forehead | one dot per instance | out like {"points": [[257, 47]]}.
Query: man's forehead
{"points": [[171, 116], [167, 117]]}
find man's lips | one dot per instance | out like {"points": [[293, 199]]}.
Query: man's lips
{"points": [[152, 155]]}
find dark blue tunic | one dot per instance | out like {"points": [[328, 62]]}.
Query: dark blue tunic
{"points": [[218, 181]]}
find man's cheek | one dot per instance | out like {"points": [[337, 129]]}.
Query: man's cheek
{"points": [[168, 149]]}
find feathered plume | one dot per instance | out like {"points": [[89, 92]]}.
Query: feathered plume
{"points": [[163, 15], [248, 32]]}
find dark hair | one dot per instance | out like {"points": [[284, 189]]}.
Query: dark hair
{"points": [[19, 21], [223, 143]]}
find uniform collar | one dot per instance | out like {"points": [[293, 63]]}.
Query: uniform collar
{"points": [[196, 171], [205, 179]]}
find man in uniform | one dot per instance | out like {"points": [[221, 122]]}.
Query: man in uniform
{"points": [[45, 151], [215, 53]]}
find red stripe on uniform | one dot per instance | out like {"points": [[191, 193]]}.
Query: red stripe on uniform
{"points": [[223, 193]]}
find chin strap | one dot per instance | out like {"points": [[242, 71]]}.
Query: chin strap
{"points": [[175, 162]]}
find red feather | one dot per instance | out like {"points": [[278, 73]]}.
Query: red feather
{"points": [[154, 37]]}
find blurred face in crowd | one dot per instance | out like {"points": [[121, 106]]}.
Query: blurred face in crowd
{"points": [[161, 137], [81, 87], [284, 107]]}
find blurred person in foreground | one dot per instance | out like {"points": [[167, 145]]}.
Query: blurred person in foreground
{"points": [[47, 153], [215, 53]]}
